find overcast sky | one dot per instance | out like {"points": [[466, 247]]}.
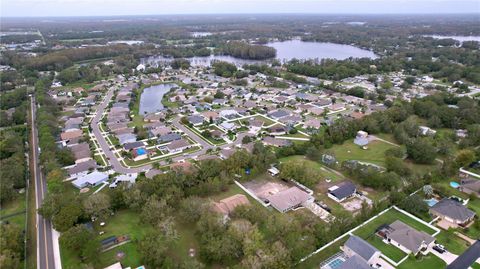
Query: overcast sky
{"points": [[45, 8]]}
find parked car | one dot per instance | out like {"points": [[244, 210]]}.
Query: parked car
{"points": [[439, 248]]}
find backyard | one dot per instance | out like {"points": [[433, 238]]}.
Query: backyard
{"points": [[367, 232]]}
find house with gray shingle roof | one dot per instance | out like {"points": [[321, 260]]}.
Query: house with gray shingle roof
{"points": [[407, 239], [354, 262], [453, 212], [356, 246]]}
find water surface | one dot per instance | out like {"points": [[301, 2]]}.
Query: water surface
{"points": [[151, 98]]}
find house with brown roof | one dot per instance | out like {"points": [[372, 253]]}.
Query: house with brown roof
{"points": [[227, 205], [71, 134]]}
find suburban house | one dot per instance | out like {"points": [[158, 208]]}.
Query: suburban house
{"points": [[272, 141], [71, 134], [195, 120], [126, 138], [342, 191], [453, 212], [227, 205], [470, 185], [228, 126], [357, 247], [354, 262], [81, 169], [90, 180], [278, 114], [169, 138], [178, 145], [277, 129], [426, 131], [81, 152], [127, 178], [133, 145], [289, 199], [406, 238]]}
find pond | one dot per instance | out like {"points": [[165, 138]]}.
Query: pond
{"points": [[286, 51], [151, 98], [459, 38]]}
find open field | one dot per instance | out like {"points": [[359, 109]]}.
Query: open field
{"points": [[452, 243], [375, 153], [316, 166]]}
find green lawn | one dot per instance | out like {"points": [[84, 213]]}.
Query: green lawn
{"points": [[266, 121], [367, 232], [452, 243], [316, 166], [389, 217], [475, 266], [375, 153], [425, 262], [315, 260], [125, 222], [390, 251], [14, 211]]}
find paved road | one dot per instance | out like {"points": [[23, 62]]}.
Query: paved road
{"points": [[115, 163], [111, 158], [45, 256]]}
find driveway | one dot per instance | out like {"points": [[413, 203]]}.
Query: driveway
{"points": [[446, 256]]}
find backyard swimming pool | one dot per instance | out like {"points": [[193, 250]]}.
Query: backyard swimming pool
{"points": [[334, 261], [431, 202], [454, 184]]}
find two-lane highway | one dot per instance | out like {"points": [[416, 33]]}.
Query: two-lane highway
{"points": [[45, 255]]}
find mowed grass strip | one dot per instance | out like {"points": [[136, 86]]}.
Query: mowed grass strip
{"points": [[425, 262]]}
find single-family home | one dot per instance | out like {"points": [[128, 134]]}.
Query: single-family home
{"points": [[229, 126], [90, 180], [166, 138], [227, 205], [276, 142], [356, 246], [81, 152], [278, 114], [195, 120], [178, 145], [342, 191], [288, 199], [453, 212], [406, 238], [81, 169], [126, 138]]}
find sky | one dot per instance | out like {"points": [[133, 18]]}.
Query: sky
{"points": [[54, 8]]}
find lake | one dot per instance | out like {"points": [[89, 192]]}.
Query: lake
{"points": [[459, 38], [286, 51], [151, 98], [298, 49]]}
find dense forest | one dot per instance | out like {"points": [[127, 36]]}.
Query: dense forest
{"points": [[246, 51]]}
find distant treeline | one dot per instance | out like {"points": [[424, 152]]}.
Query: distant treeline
{"points": [[243, 50]]}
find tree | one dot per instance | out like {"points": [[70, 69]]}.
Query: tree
{"points": [[191, 209], [415, 205], [246, 139], [421, 150], [67, 216], [155, 210], [97, 205], [154, 249], [464, 157], [76, 237]]}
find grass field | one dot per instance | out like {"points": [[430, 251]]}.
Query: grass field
{"points": [[475, 266], [375, 153], [14, 211], [425, 262], [315, 260], [316, 166]]}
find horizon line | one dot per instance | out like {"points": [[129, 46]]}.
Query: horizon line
{"points": [[247, 14]]}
